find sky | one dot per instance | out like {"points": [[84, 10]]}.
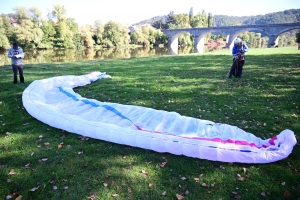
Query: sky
{"points": [[133, 11]]}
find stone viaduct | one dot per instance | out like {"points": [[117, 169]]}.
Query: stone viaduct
{"points": [[270, 30]]}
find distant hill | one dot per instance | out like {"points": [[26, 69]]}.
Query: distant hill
{"points": [[286, 16]]}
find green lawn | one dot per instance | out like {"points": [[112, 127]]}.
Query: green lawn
{"points": [[41, 162]]}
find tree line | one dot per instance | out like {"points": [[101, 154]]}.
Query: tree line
{"points": [[30, 30]]}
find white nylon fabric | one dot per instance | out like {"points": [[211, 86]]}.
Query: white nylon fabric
{"points": [[54, 102]]}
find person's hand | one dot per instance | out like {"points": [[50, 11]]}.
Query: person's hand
{"points": [[242, 51]]}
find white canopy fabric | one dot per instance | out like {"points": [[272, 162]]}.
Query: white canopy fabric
{"points": [[54, 102]]}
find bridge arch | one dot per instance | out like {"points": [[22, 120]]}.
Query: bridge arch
{"points": [[270, 30]]}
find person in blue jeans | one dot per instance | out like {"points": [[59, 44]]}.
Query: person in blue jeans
{"points": [[16, 54], [238, 52]]}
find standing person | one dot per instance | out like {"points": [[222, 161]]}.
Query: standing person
{"points": [[16, 54], [238, 52]]}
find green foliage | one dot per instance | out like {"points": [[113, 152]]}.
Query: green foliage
{"points": [[58, 13], [9, 29], [287, 16], [48, 36], [116, 33], [27, 35], [180, 21], [98, 32], [86, 36], [4, 43]]}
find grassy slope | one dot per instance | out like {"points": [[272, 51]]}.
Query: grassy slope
{"points": [[264, 102]]}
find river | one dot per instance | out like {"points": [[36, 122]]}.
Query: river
{"points": [[72, 55]]}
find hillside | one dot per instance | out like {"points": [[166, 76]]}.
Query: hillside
{"points": [[286, 16]]}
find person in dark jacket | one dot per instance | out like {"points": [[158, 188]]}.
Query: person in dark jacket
{"points": [[238, 52], [16, 54]]}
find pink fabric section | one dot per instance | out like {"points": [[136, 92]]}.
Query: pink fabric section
{"points": [[219, 140]]}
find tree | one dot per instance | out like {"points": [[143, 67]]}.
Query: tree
{"points": [[115, 34], [199, 20], [4, 43], [191, 13], [86, 36], [35, 15], [48, 37], [21, 14], [139, 37], [9, 29], [180, 21], [57, 13], [65, 28], [98, 32], [210, 19], [28, 35]]}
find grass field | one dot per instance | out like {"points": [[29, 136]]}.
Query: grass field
{"points": [[41, 162]]}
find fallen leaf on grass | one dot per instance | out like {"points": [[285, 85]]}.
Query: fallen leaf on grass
{"points": [[34, 189], [236, 195], [93, 197], [244, 169], [239, 177], [164, 193], [60, 146], [204, 185], [114, 195], [150, 185], [54, 187], [113, 183], [105, 184], [11, 172], [46, 143], [286, 193], [80, 152], [162, 164], [197, 180], [179, 197], [19, 197]]}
